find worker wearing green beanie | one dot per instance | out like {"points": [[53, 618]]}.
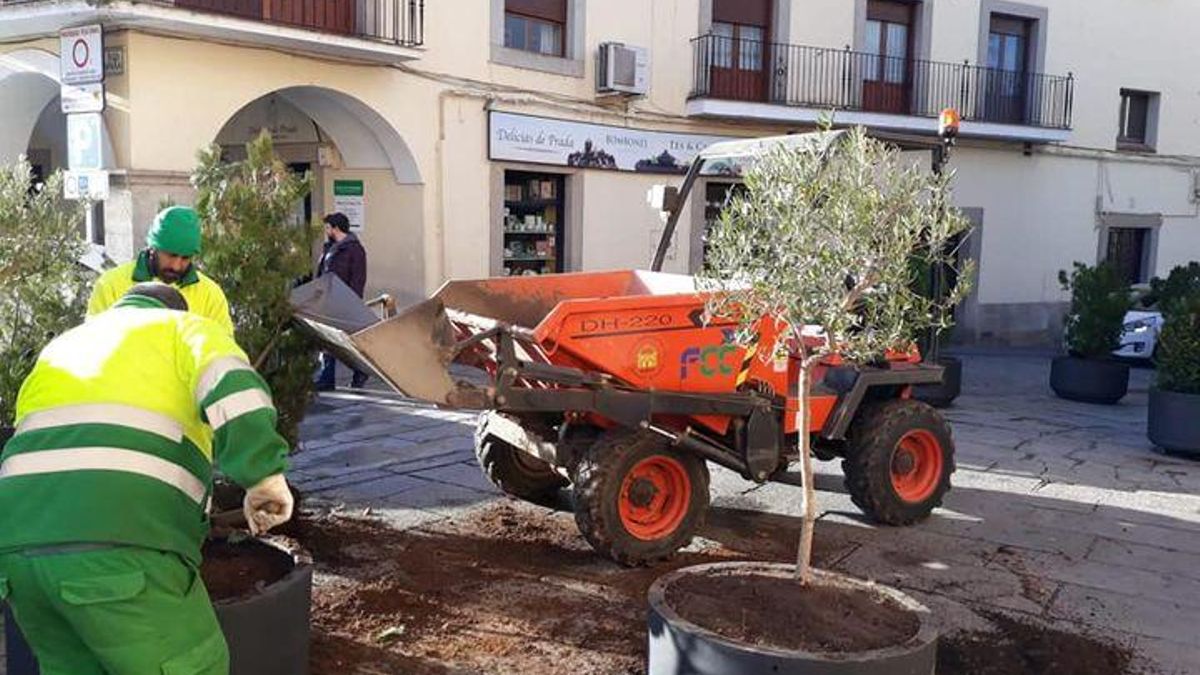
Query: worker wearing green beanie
{"points": [[171, 245]]}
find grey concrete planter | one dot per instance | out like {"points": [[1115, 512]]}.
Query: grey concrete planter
{"points": [[680, 647], [1089, 380], [1173, 421], [268, 633], [942, 395]]}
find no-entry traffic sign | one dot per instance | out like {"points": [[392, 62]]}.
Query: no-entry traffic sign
{"points": [[81, 55]]}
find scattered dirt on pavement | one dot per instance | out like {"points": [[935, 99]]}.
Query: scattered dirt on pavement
{"points": [[1029, 649], [513, 588], [238, 570], [779, 612]]}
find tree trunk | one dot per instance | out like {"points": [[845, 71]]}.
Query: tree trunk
{"points": [[804, 554]]}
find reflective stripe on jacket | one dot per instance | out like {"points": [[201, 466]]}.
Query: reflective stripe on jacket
{"points": [[118, 427]]}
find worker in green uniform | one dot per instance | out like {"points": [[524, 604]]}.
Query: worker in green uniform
{"points": [[171, 245], [104, 487]]}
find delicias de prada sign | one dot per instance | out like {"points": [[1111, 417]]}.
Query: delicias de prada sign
{"points": [[543, 140]]}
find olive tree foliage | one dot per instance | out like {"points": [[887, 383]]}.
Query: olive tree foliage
{"points": [[256, 252], [43, 288], [833, 233]]}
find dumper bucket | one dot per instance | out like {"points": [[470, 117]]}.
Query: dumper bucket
{"points": [[411, 351]]}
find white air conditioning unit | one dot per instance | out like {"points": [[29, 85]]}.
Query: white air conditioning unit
{"points": [[622, 69]]}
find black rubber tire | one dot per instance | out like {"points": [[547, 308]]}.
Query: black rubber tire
{"points": [[514, 472], [873, 438], [597, 481]]}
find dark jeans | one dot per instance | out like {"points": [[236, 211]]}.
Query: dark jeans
{"points": [[328, 376]]}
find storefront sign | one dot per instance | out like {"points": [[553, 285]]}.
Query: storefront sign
{"points": [[80, 55], [349, 197], [542, 140]]}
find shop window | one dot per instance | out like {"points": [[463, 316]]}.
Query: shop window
{"points": [[1138, 120], [533, 223], [537, 26]]}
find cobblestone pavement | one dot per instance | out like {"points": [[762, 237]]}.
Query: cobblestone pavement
{"points": [[1061, 511]]}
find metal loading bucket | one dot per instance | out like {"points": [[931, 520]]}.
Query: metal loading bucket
{"points": [[411, 351], [469, 322]]}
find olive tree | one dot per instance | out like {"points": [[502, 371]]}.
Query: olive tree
{"points": [[43, 288], [830, 234]]}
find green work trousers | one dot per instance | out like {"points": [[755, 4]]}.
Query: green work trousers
{"points": [[114, 611]]}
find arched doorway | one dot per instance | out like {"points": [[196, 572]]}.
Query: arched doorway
{"points": [[34, 125], [358, 161]]}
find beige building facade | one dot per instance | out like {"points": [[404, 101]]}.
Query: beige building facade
{"points": [[485, 137]]}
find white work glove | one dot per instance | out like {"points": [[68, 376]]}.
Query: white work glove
{"points": [[268, 504]]}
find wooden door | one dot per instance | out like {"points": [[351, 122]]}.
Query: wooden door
{"points": [[331, 16], [888, 60], [738, 49]]}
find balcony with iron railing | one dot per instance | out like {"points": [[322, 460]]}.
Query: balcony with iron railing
{"points": [[874, 89], [378, 30]]}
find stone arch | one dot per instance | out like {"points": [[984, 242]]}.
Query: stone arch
{"points": [[362, 136]]}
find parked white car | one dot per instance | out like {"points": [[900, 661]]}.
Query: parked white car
{"points": [[1139, 335]]}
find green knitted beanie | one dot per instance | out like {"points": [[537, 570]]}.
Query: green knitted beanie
{"points": [[176, 230]]}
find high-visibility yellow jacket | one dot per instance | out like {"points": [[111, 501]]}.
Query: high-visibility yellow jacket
{"points": [[119, 424], [203, 295]]}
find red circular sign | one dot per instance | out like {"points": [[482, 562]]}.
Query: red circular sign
{"points": [[80, 47]]}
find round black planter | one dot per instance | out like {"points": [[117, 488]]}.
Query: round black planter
{"points": [[268, 633], [1089, 380], [680, 647], [1173, 421], [942, 395]]}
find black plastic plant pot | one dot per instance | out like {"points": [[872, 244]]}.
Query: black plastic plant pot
{"points": [[1089, 380], [942, 395], [267, 630], [680, 647], [1173, 422]]}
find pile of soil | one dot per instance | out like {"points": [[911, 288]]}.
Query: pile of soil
{"points": [[513, 588], [783, 614], [1028, 649], [232, 571]]}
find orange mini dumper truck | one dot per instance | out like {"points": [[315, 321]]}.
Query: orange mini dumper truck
{"points": [[614, 384]]}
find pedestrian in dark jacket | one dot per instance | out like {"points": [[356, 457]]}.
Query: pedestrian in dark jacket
{"points": [[345, 257]]}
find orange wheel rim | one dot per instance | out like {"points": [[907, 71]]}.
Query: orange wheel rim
{"points": [[654, 498], [917, 466]]}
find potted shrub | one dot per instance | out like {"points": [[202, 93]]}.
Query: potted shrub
{"points": [[1173, 416], [823, 236], [1099, 300], [256, 252]]}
